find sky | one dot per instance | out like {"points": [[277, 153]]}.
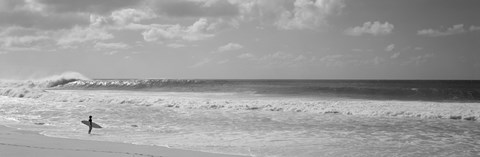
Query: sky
{"points": [[241, 39]]}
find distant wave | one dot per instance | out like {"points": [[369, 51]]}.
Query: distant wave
{"points": [[385, 90], [363, 89]]}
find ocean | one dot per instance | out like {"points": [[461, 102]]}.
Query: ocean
{"points": [[265, 118]]}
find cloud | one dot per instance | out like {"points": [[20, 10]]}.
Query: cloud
{"points": [[378, 60], [18, 39], [13, 42], [90, 6], [125, 16], [195, 8], [246, 56], [102, 45], [308, 14], [110, 52], [374, 28], [395, 55], [38, 20], [455, 29], [176, 45], [123, 19], [390, 47], [229, 47], [82, 34], [281, 56], [287, 14], [197, 31], [419, 59], [474, 28], [8, 5], [53, 24]]}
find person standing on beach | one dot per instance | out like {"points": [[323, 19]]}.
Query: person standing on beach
{"points": [[90, 126]]}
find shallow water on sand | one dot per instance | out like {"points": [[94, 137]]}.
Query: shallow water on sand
{"points": [[230, 130]]}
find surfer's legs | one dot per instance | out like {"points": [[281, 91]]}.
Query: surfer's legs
{"points": [[89, 130]]}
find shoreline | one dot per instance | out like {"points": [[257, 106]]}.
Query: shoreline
{"points": [[15, 142]]}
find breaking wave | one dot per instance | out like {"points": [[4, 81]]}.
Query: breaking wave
{"points": [[35, 88], [368, 89]]}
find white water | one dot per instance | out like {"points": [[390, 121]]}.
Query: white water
{"points": [[253, 124]]}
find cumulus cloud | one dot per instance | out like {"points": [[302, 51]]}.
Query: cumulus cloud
{"points": [[73, 23], [123, 19], [390, 47], [125, 16], [229, 47], [13, 42], [18, 39], [308, 14], [373, 28], [455, 29], [197, 31], [82, 34]]}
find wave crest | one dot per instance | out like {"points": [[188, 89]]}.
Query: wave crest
{"points": [[34, 88], [62, 79], [380, 90]]}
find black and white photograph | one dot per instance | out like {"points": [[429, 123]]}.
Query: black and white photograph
{"points": [[239, 78]]}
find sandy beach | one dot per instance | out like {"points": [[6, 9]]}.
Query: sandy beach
{"points": [[20, 143]]}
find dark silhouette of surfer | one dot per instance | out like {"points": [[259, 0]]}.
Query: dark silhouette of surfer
{"points": [[90, 126]]}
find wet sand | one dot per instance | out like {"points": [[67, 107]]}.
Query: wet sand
{"points": [[20, 143]]}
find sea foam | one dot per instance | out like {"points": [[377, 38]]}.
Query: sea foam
{"points": [[36, 88], [197, 94]]}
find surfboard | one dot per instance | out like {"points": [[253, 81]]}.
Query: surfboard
{"points": [[94, 125]]}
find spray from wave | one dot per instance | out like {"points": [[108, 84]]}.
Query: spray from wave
{"points": [[35, 88]]}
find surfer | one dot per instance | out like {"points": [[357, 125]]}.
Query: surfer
{"points": [[90, 126]]}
